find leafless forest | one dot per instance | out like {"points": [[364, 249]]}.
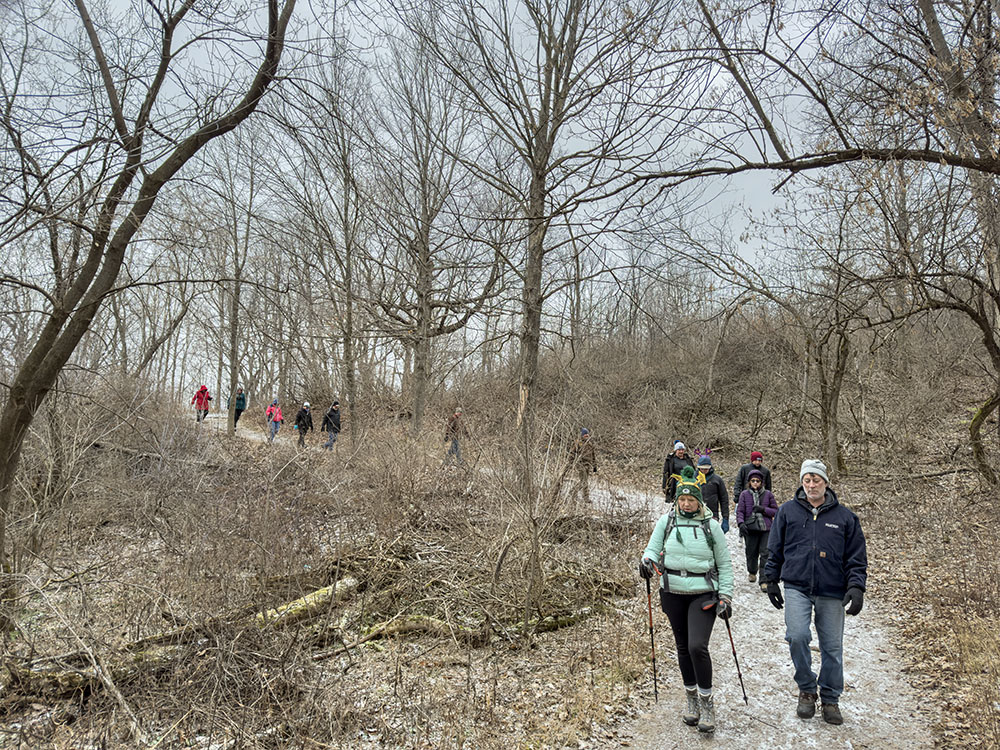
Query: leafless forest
{"points": [[748, 225]]}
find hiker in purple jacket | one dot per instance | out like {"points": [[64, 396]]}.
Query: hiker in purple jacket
{"points": [[754, 512]]}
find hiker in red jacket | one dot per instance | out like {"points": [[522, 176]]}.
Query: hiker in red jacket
{"points": [[200, 401]]}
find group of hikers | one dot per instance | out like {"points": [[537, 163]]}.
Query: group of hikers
{"points": [[812, 544], [303, 419]]}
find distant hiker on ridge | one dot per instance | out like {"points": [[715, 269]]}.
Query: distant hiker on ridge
{"points": [[274, 420], [455, 431], [200, 401], [673, 465], [331, 425], [583, 459], [818, 549], [303, 423], [688, 550], [241, 406]]}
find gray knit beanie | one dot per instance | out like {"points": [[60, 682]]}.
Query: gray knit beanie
{"points": [[813, 466]]}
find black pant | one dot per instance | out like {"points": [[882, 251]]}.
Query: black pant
{"points": [[302, 438], [756, 547], [202, 413], [692, 628], [236, 417]]}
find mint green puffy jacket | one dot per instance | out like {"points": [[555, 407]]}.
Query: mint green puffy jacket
{"points": [[691, 553]]}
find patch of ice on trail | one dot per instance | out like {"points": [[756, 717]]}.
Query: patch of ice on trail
{"points": [[880, 708]]}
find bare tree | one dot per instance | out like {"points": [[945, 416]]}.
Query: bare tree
{"points": [[574, 95], [129, 134], [444, 243]]}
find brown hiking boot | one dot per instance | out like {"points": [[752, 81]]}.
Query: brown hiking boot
{"points": [[753, 577], [831, 714], [807, 705]]}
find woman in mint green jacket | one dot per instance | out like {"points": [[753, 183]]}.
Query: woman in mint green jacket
{"points": [[689, 552]]}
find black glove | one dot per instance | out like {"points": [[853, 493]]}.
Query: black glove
{"points": [[724, 608], [595, 469], [646, 568], [743, 530], [758, 509], [854, 600], [774, 594]]}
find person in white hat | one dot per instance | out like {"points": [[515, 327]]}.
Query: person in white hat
{"points": [[816, 547], [672, 468], [303, 423]]}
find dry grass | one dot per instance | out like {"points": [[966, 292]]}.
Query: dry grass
{"points": [[203, 530]]}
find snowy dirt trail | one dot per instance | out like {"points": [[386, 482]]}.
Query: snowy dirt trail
{"points": [[880, 709]]}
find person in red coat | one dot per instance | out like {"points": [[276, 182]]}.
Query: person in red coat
{"points": [[200, 401]]}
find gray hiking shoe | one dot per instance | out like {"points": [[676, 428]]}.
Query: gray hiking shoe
{"points": [[692, 714], [706, 721], [831, 714], [807, 705], [753, 577]]}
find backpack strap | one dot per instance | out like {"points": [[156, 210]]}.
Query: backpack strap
{"points": [[711, 575]]}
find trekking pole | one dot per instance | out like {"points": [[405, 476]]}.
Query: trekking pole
{"points": [[738, 672], [652, 642]]}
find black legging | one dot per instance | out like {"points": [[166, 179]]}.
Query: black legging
{"points": [[756, 548], [692, 628]]}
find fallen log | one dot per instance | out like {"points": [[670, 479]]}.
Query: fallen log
{"points": [[46, 676], [307, 606]]}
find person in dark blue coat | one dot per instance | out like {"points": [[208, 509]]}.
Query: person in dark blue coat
{"points": [[817, 549]]}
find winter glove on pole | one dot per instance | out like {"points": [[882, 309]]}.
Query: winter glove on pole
{"points": [[774, 594], [724, 608], [854, 600], [725, 525], [646, 568]]}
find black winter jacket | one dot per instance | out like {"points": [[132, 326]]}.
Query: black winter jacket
{"points": [[715, 495], [331, 420], [819, 551], [673, 465], [743, 478], [304, 420]]}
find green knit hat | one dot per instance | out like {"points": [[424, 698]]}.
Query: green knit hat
{"points": [[688, 485]]}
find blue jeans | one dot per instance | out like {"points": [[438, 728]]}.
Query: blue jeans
{"points": [[829, 615], [333, 439], [275, 426], [454, 450]]}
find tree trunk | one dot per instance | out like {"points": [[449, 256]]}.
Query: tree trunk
{"points": [[976, 438], [422, 348]]}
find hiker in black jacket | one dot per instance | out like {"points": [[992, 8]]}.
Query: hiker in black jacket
{"points": [[331, 425], [303, 423], [743, 476], [672, 466], [714, 493]]}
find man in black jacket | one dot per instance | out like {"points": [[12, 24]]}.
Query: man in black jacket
{"points": [[672, 466], [331, 425], [714, 493], [743, 477], [303, 423], [817, 549]]}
